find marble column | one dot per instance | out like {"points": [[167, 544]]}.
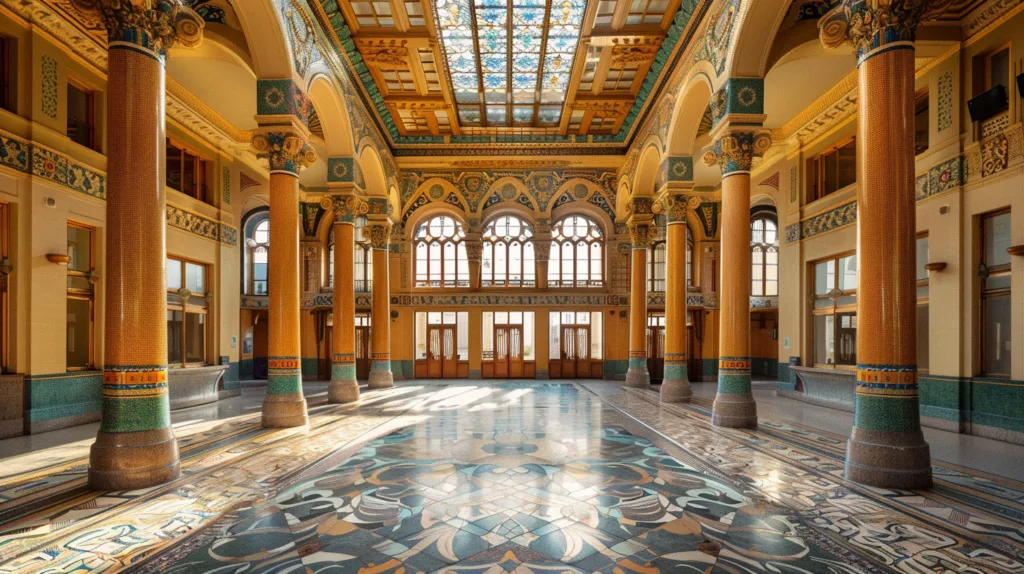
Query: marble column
{"points": [[675, 387], [135, 446], [343, 387], [643, 232], [287, 153], [886, 447], [379, 232], [734, 152]]}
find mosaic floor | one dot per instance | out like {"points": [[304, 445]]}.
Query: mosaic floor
{"points": [[508, 477]]}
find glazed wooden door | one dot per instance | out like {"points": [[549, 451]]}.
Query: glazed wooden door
{"points": [[568, 352], [501, 351], [449, 359], [362, 353], [583, 352], [515, 351], [656, 353], [435, 366]]}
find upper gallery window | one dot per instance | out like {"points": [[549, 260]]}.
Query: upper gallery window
{"points": [[921, 124], [81, 116], [992, 69], [764, 257], [835, 168], [835, 311], [186, 171], [257, 248], [508, 259], [441, 253], [577, 253], [363, 260], [656, 271]]}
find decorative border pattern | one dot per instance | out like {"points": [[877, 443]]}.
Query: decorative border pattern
{"points": [[226, 185], [43, 162], [201, 226], [945, 101], [49, 79]]}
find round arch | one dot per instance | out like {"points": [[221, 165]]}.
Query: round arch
{"points": [[688, 114], [501, 188], [590, 211], [324, 95], [750, 53], [647, 171], [372, 168], [427, 185], [495, 211], [268, 45], [430, 211]]}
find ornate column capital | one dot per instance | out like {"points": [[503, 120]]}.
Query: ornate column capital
{"points": [[155, 25], [674, 206], [642, 233], [474, 249], [284, 150], [735, 150], [379, 233], [542, 250], [873, 24], [346, 208]]}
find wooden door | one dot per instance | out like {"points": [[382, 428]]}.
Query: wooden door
{"points": [[583, 352], [501, 351], [362, 352], [515, 351], [656, 353], [449, 359], [568, 352], [434, 362]]}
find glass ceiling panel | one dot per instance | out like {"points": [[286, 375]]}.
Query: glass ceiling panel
{"points": [[501, 52]]}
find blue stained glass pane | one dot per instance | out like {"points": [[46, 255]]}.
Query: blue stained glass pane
{"points": [[465, 82], [469, 116], [522, 114], [495, 114], [549, 115], [524, 81], [526, 63], [495, 81]]}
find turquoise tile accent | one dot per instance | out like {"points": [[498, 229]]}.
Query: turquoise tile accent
{"points": [[615, 369], [232, 376], [310, 366], [58, 396], [245, 369]]}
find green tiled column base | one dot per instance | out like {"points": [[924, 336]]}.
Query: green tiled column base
{"points": [[343, 372], [676, 371], [133, 415], [612, 369], [62, 400], [890, 414], [283, 382], [384, 365], [638, 363], [733, 383]]}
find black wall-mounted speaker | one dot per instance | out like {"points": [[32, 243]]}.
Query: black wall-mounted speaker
{"points": [[1020, 84], [988, 103]]}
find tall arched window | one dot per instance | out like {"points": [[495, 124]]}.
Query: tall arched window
{"points": [[508, 259], [363, 264], [441, 253], [764, 257], [257, 247], [577, 259]]}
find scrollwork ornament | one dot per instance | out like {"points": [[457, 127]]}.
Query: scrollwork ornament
{"points": [[675, 208], [156, 25], [347, 208], [871, 24], [474, 250], [542, 251], [735, 151], [284, 151], [643, 234], [379, 233]]}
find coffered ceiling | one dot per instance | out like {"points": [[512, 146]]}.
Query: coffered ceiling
{"points": [[508, 67]]}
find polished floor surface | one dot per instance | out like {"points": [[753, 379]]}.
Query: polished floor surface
{"points": [[502, 477]]}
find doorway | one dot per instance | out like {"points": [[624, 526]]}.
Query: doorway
{"points": [[576, 339], [656, 346], [508, 345], [442, 345], [363, 346]]}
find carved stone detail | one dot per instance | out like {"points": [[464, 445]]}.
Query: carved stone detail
{"points": [[870, 24], [379, 233], [735, 151], [153, 24], [284, 151], [643, 234]]}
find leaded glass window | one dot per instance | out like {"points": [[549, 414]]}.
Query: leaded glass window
{"points": [[441, 254], [577, 253], [508, 254]]}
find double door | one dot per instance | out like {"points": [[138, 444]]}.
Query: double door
{"points": [[508, 351], [656, 347], [442, 360], [362, 352], [575, 351]]}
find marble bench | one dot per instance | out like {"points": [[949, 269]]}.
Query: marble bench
{"points": [[833, 388], [192, 386]]}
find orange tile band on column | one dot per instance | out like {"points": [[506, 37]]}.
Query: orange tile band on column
{"points": [[343, 387], [381, 376], [675, 387], [886, 446], [135, 446], [284, 405]]}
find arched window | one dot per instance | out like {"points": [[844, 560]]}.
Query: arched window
{"points": [[363, 264], [764, 257], [658, 260], [508, 259], [577, 259], [258, 250], [441, 253]]}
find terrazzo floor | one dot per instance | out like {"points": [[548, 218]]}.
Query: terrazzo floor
{"points": [[502, 477]]}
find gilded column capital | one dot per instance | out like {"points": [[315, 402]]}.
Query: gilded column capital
{"points": [[379, 233], [542, 250], [346, 208], [155, 25], [873, 24], [284, 150], [642, 234], [735, 151], [640, 206], [675, 207]]}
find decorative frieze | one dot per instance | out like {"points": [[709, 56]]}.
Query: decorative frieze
{"points": [[203, 227], [53, 166]]}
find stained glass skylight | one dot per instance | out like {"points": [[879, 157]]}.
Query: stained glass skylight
{"points": [[510, 60]]}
